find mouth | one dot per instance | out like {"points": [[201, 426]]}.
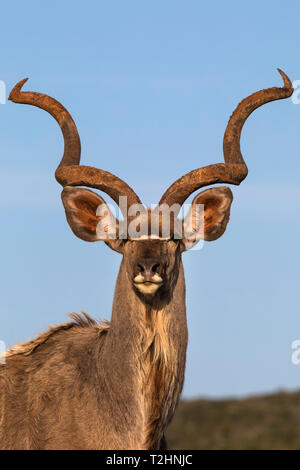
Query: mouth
{"points": [[147, 287]]}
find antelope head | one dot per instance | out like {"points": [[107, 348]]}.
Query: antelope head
{"points": [[151, 260]]}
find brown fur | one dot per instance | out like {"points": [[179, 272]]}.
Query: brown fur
{"points": [[84, 385], [83, 320], [89, 385]]}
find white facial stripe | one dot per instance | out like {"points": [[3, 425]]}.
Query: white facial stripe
{"points": [[149, 237]]}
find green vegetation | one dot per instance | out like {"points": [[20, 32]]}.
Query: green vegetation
{"points": [[262, 422]]}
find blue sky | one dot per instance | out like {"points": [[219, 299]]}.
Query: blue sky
{"points": [[151, 86]]}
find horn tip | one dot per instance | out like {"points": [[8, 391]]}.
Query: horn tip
{"points": [[287, 82], [16, 89]]}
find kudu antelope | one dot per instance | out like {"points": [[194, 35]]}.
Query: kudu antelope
{"points": [[87, 385]]}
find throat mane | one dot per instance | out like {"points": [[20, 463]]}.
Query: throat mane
{"points": [[159, 365]]}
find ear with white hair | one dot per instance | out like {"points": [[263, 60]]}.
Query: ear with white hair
{"points": [[208, 216], [90, 218]]}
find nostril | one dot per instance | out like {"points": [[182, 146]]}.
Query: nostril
{"points": [[155, 267], [140, 268], [147, 268]]}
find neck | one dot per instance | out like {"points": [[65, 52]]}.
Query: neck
{"points": [[147, 344]]}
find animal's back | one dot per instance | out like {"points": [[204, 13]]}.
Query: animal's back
{"points": [[49, 390]]}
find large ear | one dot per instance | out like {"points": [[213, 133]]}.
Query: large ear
{"points": [[211, 207], [90, 217]]}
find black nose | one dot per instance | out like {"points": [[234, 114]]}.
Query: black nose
{"points": [[148, 267]]}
